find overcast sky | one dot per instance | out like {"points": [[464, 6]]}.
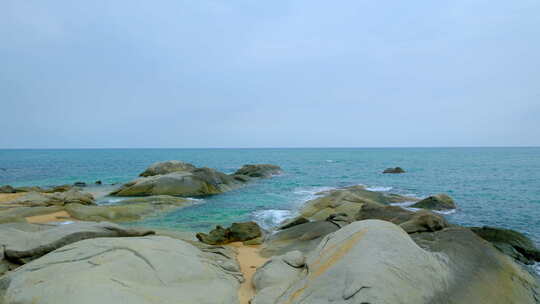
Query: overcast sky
{"points": [[91, 74]]}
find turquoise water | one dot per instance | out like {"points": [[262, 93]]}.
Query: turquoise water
{"points": [[492, 186]]}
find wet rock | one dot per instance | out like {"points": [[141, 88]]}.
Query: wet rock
{"points": [[259, 170], [436, 202], [395, 170]]}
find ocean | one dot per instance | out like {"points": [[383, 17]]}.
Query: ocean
{"points": [[491, 186]]}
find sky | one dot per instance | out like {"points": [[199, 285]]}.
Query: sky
{"points": [[298, 73]]}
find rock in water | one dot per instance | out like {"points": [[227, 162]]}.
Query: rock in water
{"points": [[142, 270], [260, 170], [79, 184], [436, 202], [510, 242], [167, 167], [375, 261], [7, 189], [395, 170], [238, 232]]}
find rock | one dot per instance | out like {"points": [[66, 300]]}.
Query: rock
{"points": [[98, 182], [436, 202], [375, 261], [29, 189], [424, 221], [72, 196], [79, 184], [292, 222], [348, 201], [510, 242], [256, 241], [128, 210], [61, 188], [258, 171], [166, 167], [196, 183], [18, 214], [295, 259], [394, 214], [140, 270], [395, 170], [7, 189], [304, 238], [238, 232], [21, 246]]}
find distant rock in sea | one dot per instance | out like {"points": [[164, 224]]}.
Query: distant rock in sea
{"points": [[395, 170]]}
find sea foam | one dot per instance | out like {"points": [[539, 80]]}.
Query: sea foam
{"points": [[269, 219]]}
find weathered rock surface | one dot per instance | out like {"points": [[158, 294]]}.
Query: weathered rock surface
{"points": [[510, 242], [7, 189], [238, 232], [395, 170], [71, 196], [21, 246], [166, 167], [292, 222], [259, 170], [346, 200], [143, 270], [375, 261], [436, 202], [18, 214]]}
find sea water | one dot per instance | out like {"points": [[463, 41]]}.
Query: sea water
{"points": [[491, 186]]}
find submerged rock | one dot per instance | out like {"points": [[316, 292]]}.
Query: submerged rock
{"points": [[140, 270], [238, 232], [375, 261], [166, 167], [395, 170], [436, 202], [259, 170], [510, 242]]}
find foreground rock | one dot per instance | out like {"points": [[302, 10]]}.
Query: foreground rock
{"points": [[178, 178], [436, 202], [23, 244], [258, 171], [142, 270], [238, 232], [395, 170], [510, 242], [72, 196], [375, 261], [347, 200]]}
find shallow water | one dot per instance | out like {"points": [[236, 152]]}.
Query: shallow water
{"points": [[492, 186]]}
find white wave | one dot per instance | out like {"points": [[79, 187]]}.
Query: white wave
{"points": [[269, 219], [66, 223], [330, 161], [406, 205], [379, 188], [536, 268]]}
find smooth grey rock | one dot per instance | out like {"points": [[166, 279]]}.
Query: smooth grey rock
{"points": [[166, 167], [141, 270], [436, 202], [72, 196], [294, 259]]}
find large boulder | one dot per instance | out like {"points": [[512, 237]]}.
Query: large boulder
{"points": [[143, 270], [510, 242], [259, 170], [72, 196], [436, 202], [347, 200], [21, 245], [200, 182], [238, 232], [395, 170], [375, 261], [166, 167]]}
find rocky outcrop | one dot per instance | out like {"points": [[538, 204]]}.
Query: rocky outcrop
{"points": [[141, 270], [167, 167], [292, 222], [7, 189], [395, 170], [22, 245], [183, 179], [258, 171], [375, 261], [18, 214], [238, 232], [347, 200], [71, 196], [436, 202], [510, 242]]}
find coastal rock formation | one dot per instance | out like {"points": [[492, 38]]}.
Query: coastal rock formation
{"points": [[436, 202], [510, 242], [128, 210], [166, 167], [347, 200], [395, 170], [178, 178], [7, 189], [238, 232], [140, 270], [71, 196], [22, 245], [375, 261], [18, 214], [292, 222], [258, 171]]}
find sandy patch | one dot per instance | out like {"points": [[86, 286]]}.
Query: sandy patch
{"points": [[10, 197], [59, 216], [250, 260]]}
